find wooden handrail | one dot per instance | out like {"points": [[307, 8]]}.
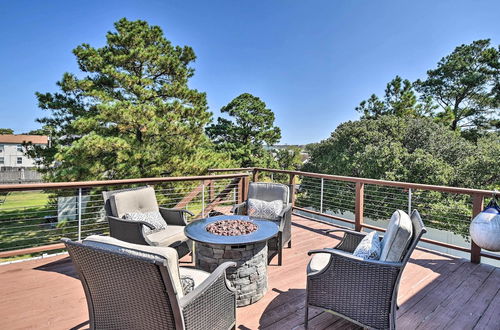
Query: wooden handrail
{"points": [[457, 190], [88, 184]]}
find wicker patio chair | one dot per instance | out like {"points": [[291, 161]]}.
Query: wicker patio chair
{"points": [[270, 192], [131, 286], [362, 291], [119, 202]]}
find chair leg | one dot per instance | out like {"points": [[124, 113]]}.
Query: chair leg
{"points": [[280, 249], [290, 243], [306, 320]]}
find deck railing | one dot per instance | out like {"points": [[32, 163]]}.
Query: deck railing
{"points": [[34, 217], [363, 203]]}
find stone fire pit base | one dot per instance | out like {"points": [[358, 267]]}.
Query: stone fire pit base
{"points": [[249, 277]]}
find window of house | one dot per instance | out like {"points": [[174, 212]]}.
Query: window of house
{"points": [[2, 161], [19, 160], [1, 147], [20, 147]]}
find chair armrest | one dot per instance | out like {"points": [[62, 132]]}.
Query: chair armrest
{"points": [[212, 302], [238, 208], [347, 231], [348, 257], [350, 240], [219, 272], [286, 210], [175, 216], [128, 230]]}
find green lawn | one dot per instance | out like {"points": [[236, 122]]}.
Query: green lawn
{"points": [[21, 221]]}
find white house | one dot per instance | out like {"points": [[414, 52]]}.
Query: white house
{"points": [[12, 151]]}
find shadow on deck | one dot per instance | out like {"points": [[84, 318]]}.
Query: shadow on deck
{"points": [[437, 291]]}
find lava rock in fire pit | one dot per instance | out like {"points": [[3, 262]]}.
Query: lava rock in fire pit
{"points": [[231, 227]]}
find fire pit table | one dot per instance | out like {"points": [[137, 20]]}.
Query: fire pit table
{"points": [[237, 238]]}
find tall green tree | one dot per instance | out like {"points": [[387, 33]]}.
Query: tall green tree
{"points": [[403, 149], [288, 158], [399, 99], [466, 86], [246, 134], [129, 112]]}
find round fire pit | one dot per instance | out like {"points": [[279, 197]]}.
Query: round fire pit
{"points": [[236, 238], [231, 227]]}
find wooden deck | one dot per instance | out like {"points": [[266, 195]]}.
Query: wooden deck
{"points": [[437, 292]]}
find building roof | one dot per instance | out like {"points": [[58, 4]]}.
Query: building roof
{"points": [[21, 138]]}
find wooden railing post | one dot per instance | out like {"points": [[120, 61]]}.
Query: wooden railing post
{"points": [[475, 250], [359, 205], [243, 189], [292, 189], [240, 191], [255, 175], [211, 190]]}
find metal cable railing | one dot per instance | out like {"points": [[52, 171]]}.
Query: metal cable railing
{"points": [[33, 218], [369, 203]]}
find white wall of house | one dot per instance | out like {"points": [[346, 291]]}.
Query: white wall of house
{"points": [[12, 155]]}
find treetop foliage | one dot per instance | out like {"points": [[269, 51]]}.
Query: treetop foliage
{"points": [[6, 131], [407, 149], [129, 113], [245, 135], [462, 92]]}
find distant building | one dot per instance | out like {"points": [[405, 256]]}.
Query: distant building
{"points": [[12, 152], [15, 166]]}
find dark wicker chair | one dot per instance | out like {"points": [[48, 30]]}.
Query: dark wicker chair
{"points": [[129, 288], [133, 231], [362, 291], [270, 192]]}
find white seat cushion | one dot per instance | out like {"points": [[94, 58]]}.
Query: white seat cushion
{"points": [[171, 236], [140, 200], [167, 253], [397, 237], [197, 275], [318, 262]]}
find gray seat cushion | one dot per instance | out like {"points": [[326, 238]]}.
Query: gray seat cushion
{"points": [[397, 237], [318, 262], [172, 236], [141, 200], [269, 191]]}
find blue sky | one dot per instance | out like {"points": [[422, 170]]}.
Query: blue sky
{"points": [[312, 62]]}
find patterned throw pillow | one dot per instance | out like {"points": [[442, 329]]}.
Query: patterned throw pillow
{"points": [[369, 247], [154, 218], [187, 283], [266, 210]]}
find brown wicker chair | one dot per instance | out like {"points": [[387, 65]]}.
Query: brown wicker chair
{"points": [[269, 192], [133, 231], [362, 291], [130, 286]]}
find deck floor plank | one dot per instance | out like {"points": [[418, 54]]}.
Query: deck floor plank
{"points": [[471, 311], [436, 291]]}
